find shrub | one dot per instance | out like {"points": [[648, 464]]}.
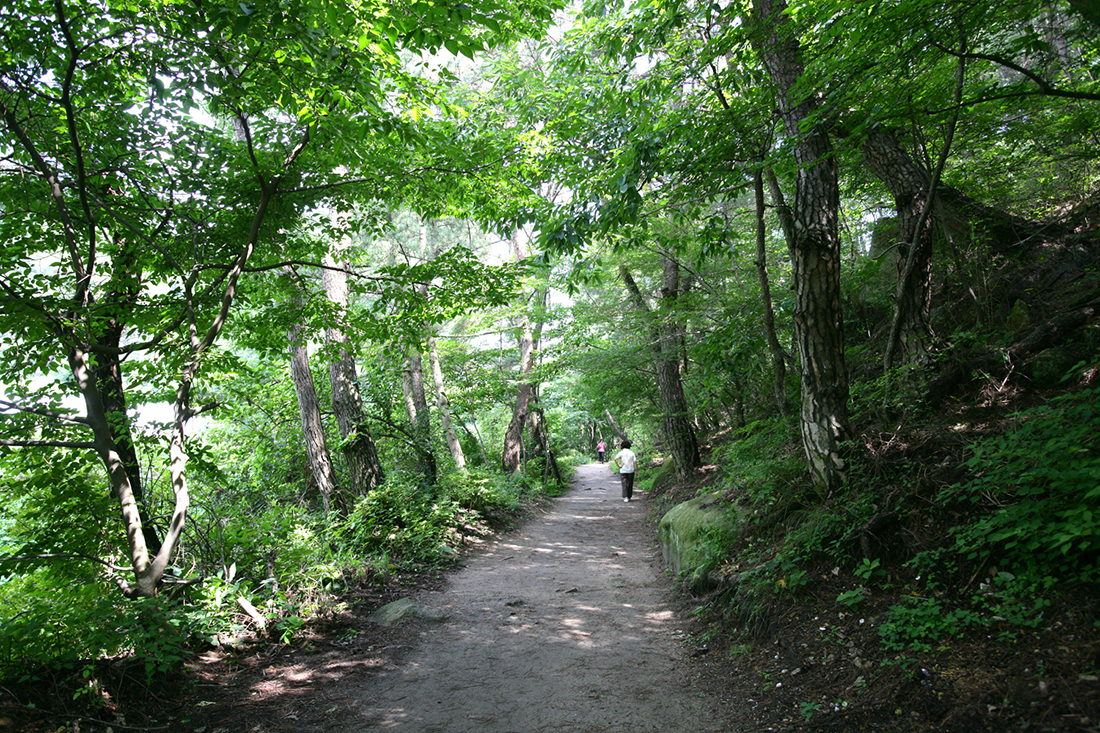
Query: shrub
{"points": [[78, 623], [399, 520], [1040, 484], [479, 490]]}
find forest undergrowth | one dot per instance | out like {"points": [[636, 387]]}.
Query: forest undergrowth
{"points": [[952, 585]]}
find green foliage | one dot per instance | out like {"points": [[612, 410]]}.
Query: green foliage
{"points": [[898, 391], [921, 623], [409, 525], [76, 623], [869, 569], [791, 576], [52, 504], [758, 461], [1031, 500], [479, 490], [1038, 487], [852, 598]]}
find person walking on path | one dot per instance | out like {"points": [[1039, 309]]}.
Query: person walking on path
{"points": [[627, 463], [601, 449]]}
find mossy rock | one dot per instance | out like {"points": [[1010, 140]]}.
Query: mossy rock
{"points": [[682, 530], [404, 608], [665, 473]]}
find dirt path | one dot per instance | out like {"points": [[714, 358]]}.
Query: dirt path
{"points": [[561, 626]]}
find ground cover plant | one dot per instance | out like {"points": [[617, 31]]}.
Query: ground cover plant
{"points": [[299, 300]]}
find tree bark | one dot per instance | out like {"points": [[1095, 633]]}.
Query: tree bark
{"points": [[416, 402], [513, 437], [779, 359], [615, 426], [360, 452], [446, 420], [908, 183], [537, 426], [309, 410], [666, 338], [815, 252], [523, 415], [120, 298], [117, 476]]}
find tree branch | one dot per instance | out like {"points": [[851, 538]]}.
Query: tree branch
{"points": [[64, 556], [71, 117], [44, 413], [1045, 87], [904, 285], [46, 444], [209, 406]]}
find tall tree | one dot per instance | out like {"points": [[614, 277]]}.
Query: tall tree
{"points": [[526, 413], [359, 450], [779, 356], [666, 341], [127, 213], [815, 249], [443, 405], [309, 412]]}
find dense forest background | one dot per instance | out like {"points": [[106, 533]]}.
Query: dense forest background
{"points": [[297, 297]]}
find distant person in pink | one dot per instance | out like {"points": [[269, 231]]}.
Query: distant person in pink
{"points": [[601, 448]]}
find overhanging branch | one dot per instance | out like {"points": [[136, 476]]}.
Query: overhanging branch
{"points": [[47, 444], [44, 413]]}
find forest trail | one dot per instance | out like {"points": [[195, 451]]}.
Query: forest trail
{"points": [[562, 626]]}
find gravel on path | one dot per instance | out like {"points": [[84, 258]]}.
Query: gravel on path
{"points": [[564, 625]]}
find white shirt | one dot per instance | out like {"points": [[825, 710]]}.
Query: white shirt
{"points": [[628, 460]]}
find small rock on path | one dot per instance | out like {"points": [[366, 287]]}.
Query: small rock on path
{"points": [[561, 627]]}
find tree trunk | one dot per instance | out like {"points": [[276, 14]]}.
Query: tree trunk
{"points": [[779, 359], [526, 392], [119, 299], [443, 404], [815, 253], [666, 333], [360, 452], [309, 410], [615, 426], [908, 183], [121, 488], [416, 402]]}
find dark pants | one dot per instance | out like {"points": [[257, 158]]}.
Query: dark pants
{"points": [[600, 453], [628, 484]]}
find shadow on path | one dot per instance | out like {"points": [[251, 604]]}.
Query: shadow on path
{"points": [[561, 626]]}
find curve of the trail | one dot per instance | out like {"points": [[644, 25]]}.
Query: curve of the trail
{"points": [[563, 626]]}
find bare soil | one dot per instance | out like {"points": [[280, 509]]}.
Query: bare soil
{"points": [[567, 624]]}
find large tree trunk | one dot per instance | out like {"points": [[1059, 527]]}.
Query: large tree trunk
{"points": [[779, 359], [815, 253], [536, 422], [527, 391], [360, 452], [908, 183], [309, 410], [666, 334], [120, 482], [446, 420], [120, 297], [513, 437]]}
